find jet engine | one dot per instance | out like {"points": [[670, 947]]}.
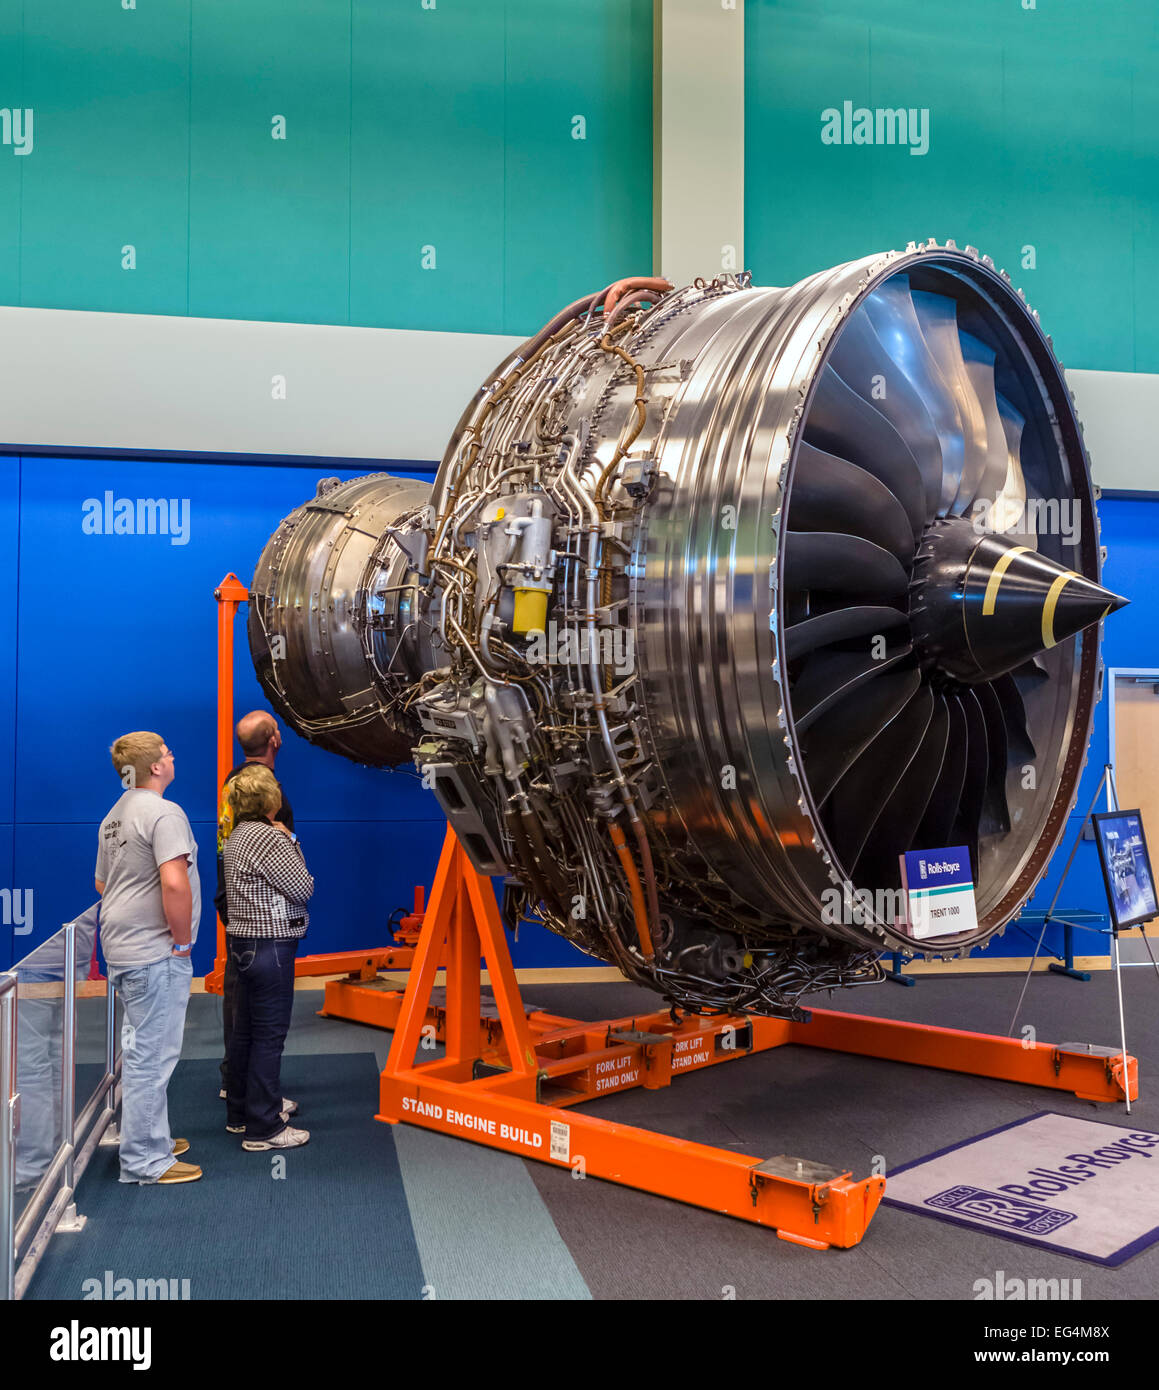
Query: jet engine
{"points": [[725, 597]]}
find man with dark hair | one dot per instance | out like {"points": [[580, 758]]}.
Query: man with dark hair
{"points": [[260, 739]]}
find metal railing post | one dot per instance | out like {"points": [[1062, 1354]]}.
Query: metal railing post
{"points": [[9, 1123], [109, 1135], [68, 1049], [69, 1221]]}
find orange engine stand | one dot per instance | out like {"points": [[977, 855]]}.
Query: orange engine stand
{"points": [[509, 1081]]}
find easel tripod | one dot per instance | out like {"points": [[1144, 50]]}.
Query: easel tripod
{"points": [[1106, 780]]}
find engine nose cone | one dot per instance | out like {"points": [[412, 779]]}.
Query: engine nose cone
{"points": [[981, 605]]}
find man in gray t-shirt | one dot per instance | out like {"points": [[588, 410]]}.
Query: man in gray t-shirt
{"points": [[150, 906], [142, 833]]}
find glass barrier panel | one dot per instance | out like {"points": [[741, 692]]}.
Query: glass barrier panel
{"points": [[40, 980]]}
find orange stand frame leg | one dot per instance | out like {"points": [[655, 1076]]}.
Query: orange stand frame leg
{"points": [[490, 1094], [230, 594]]}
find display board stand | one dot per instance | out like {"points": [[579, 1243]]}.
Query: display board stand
{"points": [[1107, 780]]}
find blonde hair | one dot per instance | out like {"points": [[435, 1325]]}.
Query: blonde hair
{"points": [[134, 755], [254, 792]]}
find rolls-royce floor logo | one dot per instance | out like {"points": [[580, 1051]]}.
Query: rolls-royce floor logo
{"points": [[1007, 1212]]}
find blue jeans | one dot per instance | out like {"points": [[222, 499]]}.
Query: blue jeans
{"points": [[263, 999], [154, 998], [228, 992]]}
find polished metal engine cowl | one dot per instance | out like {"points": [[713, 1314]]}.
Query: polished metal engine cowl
{"points": [[724, 598]]}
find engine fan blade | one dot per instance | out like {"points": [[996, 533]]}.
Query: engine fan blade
{"points": [[863, 363], [979, 360], [1019, 744], [967, 826], [891, 311], [838, 739], [839, 626], [1032, 671], [832, 494], [841, 423], [996, 808], [858, 799], [830, 676], [938, 317], [942, 808], [1008, 514], [897, 824], [832, 561]]}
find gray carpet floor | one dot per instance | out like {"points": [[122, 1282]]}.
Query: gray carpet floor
{"points": [[533, 1230]]}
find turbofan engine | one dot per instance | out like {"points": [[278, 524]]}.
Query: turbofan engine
{"points": [[725, 597]]}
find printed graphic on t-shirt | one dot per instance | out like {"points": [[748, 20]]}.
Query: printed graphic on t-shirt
{"points": [[114, 844]]}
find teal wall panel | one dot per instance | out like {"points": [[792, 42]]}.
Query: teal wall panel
{"points": [[406, 127], [269, 217], [1043, 133], [109, 91], [427, 166], [11, 164], [597, 67]]}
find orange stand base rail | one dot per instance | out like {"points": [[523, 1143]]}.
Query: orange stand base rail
{"points": [[509, 1081]]}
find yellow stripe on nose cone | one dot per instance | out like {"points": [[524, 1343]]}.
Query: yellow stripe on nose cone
{"points": [[1051, 602], [996, 574]]}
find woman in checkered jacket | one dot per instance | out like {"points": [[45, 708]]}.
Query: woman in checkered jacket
{"points": [[267, 888]]}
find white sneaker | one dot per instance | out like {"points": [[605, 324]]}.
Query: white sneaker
{"points": [[289, 1138], [240, 1129]]}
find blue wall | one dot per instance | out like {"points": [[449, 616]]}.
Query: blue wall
{"points": [[111, 633], [1131, 638]]}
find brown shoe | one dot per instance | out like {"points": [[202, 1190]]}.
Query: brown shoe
{"points": [[180, 1146], [181, 1172]]}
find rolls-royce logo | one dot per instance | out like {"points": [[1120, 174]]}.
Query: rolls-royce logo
{"points": [[1000, 1210]]}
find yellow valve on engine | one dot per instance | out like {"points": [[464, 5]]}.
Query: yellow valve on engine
{"points": [[530, 610]]}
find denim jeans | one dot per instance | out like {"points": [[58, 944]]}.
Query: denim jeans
{"points": [[263, 999], [228, 994], [154, 998]]}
